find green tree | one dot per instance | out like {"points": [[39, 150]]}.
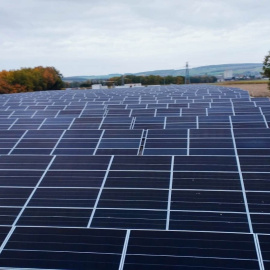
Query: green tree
{"points": [[203, 79], [266, 68], [87, 83], [149, 80]]}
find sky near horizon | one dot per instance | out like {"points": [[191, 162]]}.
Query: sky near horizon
{"points": [[87, 37]]}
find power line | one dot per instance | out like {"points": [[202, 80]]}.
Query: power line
{"points": [[187, 78]]}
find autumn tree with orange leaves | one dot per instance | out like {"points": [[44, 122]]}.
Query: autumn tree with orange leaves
{"points": [[30, 79]]}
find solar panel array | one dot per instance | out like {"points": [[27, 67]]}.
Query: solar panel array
{"points": [[164, 177]]}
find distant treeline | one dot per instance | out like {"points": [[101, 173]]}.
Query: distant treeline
{"points": [[30, 79], [152, 79], [147, 80], [203, 79]]}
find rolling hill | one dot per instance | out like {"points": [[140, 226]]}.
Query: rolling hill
{"points": [[213, 70]]}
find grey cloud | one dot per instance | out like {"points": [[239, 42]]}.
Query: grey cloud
{"points": [[127, 36]]}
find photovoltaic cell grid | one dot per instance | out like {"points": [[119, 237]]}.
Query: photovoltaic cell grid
{"points": [[163, 177]]}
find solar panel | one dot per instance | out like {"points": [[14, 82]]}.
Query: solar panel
{"points": [[158, 177]]}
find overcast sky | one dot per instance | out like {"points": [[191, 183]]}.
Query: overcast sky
{"points": [[96, 37]]}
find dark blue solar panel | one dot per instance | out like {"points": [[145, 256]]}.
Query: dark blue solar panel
{"points": [[157, 177]]}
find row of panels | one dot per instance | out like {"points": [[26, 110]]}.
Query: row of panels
{"points": [[136, 142], [136, 192], [144, 163], [125, 119], [60, 248], [193, 211]]}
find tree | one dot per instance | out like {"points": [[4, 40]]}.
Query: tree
{"points": [[266, 67], [87, 83], [30, 79], [6, 88], [149, 80], [203, 79]]}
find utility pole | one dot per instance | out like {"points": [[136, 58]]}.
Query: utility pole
{"points": [[187, 78], [123, 80]]}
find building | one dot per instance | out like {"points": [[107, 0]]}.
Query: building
{"points": [[228, 74], [129, 85], [99, 86]]}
